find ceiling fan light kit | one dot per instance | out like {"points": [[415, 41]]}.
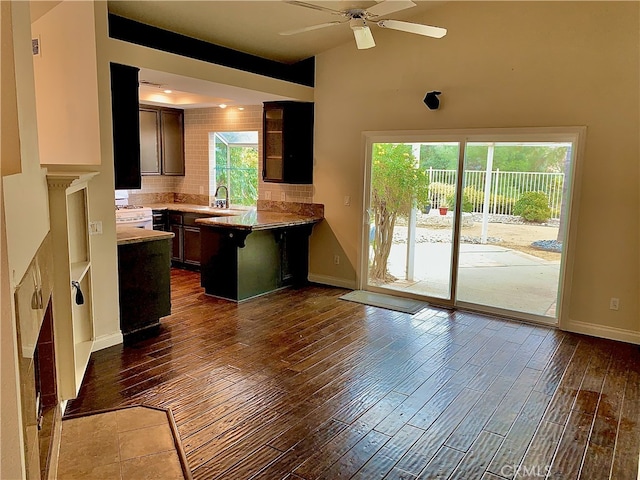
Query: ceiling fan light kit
{"points": [[358, 18], [362, 33]]}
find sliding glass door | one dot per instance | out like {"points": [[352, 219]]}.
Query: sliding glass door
{"points": [[475, 219], [411, 222], [514, 196]]}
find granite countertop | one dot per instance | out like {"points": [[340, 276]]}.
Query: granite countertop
{"points": [[259, 220], [127, 235], [192, 208]]}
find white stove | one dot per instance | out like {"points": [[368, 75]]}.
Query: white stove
{"points": [[132, 215]]}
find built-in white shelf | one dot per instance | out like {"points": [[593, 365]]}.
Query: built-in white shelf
{"points": [[83, 353], [79, 270], [68, 211]]}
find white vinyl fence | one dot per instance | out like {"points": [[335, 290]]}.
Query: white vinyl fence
{"points": [[506, 188]]}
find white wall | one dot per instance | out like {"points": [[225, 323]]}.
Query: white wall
{"points": [[11, 458], [502, 64], [24, 198], [25, 193], [67, 85]]}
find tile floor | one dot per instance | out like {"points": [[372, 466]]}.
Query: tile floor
{"points": [[127, 444]]}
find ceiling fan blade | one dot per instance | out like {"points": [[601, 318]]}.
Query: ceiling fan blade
{"points": [[315, 7], [389, 6], [308, 29], [426, 30]]}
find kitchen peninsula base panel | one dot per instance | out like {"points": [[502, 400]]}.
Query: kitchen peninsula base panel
{"points": [[145, 287], [238, 265]]}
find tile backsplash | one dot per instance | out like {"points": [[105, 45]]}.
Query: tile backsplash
{"points": [[137, 198], [292, 193], [195, 186]]}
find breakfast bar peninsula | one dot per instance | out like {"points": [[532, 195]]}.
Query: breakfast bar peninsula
{"points": [[259, 251]]}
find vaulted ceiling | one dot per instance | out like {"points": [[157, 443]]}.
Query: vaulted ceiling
{"points": [[250, 26], [254, 26]]}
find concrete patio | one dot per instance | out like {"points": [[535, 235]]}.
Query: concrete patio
{"points": [[489, 275]]}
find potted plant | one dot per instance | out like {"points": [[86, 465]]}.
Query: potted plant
{"points": [[443, 207]]}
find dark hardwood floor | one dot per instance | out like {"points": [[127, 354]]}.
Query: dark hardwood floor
{"points": [[301, 385]]}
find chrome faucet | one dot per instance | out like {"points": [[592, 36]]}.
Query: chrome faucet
{"points": [[226, 196]]}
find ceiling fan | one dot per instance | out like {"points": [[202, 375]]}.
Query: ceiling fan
{"points": [[358, 21]]}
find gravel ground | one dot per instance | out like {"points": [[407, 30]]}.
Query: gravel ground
{"points": [[517, 235]]}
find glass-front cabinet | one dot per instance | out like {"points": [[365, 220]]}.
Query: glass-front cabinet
{"points": [[273, 148], [288, 142]]}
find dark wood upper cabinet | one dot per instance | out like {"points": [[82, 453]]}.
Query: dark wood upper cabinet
{"points": [[125, 123], [149, 142], [288, 142], [161, 140], [172, 130]]}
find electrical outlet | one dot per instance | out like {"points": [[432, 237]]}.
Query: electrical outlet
{"points": [[283, 196], [336, 259], [95, 228], [614, 303], [267, 195], [347, 200], [201, 189], [35, 46]]}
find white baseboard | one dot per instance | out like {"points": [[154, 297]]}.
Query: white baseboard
{"points": [[611, 333], [106, 341], [333, 281]]}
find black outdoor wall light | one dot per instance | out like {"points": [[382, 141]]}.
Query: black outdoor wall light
{"points": [[431, 100]]}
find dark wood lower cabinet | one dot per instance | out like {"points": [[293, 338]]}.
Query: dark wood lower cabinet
{"points": [[176, 243], [191, 245], [186, 243], [144, 272], [160, 221]]}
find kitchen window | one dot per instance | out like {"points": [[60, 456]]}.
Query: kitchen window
{"points": [[233, 160]]}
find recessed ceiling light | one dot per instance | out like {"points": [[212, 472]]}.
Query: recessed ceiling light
{"points": [[222, 105], [240, 108], [168, 91]]}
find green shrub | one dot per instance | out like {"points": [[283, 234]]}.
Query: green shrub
{"points": [[504, 204], [440, 193], [533, 207], [467, 199], [472, 199]]}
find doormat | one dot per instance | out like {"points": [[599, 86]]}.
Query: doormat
{"points": [[131, 442], [400, 304]]}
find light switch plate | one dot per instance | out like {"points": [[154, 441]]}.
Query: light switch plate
{"points": [[283, 196], [95, 228]]}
